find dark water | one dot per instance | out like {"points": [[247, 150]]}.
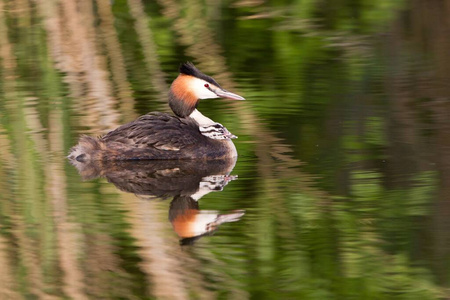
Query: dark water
{"points": [[341, 189]]}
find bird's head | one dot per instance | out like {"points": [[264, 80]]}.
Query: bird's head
{"points": [[190, 87]]}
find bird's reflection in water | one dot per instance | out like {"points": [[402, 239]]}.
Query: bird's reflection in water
{"points": [[183, 181]]}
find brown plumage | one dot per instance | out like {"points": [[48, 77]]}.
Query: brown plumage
{"points": [[180, 89], [164, 136], [184, 181]]}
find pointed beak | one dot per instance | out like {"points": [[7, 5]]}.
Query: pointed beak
{"points": [[225, 94]]}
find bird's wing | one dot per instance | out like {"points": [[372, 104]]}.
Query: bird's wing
{"points": [[158, 130]]}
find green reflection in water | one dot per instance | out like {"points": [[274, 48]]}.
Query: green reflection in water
{"points": [[343, 149]]}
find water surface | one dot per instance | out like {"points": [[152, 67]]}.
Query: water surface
{"points": [[341, 187]]}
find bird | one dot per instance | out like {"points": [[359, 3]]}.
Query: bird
{"points": [[183, 181], [187, 134], [191, 223]]}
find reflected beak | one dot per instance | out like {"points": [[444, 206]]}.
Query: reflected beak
{"points": [[225, 94]]}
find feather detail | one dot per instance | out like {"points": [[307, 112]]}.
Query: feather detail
{"points": [[182, 100], [156, 130], [216, 131]]}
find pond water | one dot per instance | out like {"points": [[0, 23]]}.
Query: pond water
{"points": [[342, 185]]}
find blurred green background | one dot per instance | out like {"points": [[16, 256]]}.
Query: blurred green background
{"points": [[344, 148]]}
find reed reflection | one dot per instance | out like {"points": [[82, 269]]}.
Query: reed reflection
{"points": [[186, 182]]}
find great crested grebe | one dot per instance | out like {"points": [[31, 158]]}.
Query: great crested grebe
{"points": [[191, 223], [187, 135], [185, 182]]}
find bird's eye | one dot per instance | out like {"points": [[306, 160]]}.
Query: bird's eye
{"points": [[206, 85]]}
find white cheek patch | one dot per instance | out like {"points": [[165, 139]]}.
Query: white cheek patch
{"points": [[197, 86], [203, 220]]}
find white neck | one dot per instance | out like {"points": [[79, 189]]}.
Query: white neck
{"points": [[201, 119]]}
